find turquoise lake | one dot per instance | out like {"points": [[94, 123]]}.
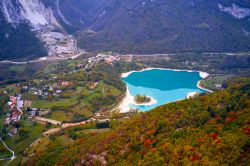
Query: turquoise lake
{"points": [[164, 86]]}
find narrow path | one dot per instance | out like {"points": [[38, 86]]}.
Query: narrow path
{"points": [[63, 126], [13, 153], [54, 122], [66, 125]]}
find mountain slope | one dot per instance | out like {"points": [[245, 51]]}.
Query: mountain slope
{"points": [[166, 26], [212, 129], [153, 26], [131, 26], [18, 42], [38, 28]]}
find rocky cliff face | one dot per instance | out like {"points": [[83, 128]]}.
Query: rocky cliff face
{"points": [[10, 9], [42, 20], [235, 10], [29, 11], [36, 13]]}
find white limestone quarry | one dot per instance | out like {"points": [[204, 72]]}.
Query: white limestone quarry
{"points": [[43, 22], [235, 10], [58, 43]]}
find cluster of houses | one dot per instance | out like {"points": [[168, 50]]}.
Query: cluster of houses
{"points": [[33, 112], [55, 89], [15, 112], [45, 90], [126, 58], [16, 106], [109, 59]]}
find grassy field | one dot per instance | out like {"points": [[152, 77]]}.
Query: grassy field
{"points": [[111, 90], [57, 141], [12, 90], [88, 131], [43, 144], [62, 116], [50, 104], [4, 162], [63, 141], [83, 110], [76, 102], [28, 96], [4, 153], [18, 143], [20, 68]]}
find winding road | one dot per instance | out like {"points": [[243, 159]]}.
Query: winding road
{"points": [[65, 125], [13, 153], [41, 59], [75, 56]]}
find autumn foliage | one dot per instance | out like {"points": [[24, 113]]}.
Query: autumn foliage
{"points": [[213, 129]]}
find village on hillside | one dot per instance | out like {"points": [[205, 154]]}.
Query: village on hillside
{"points": [[47, 90], [14, 113]]}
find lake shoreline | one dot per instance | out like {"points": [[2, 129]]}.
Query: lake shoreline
{"points": [[203, 74], [129, 99]]}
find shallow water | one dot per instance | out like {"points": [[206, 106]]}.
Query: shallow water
{"points": [[164, 86]]}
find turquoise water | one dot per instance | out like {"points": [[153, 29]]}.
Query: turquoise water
{"points": [[162, 85]]}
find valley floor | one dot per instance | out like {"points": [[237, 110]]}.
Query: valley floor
{"points": [[73, 91]]}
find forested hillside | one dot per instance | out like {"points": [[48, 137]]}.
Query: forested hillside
{"points": [[210, 129], [131, 26], [159, 26], [19, 42]]}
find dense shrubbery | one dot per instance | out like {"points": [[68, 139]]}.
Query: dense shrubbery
{"points": [[142, 99], [3, 111]]}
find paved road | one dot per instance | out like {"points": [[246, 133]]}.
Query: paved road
{"points": [[41, 59], [75, 56]]}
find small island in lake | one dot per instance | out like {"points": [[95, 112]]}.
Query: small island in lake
{"points": [[140, 99]]}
